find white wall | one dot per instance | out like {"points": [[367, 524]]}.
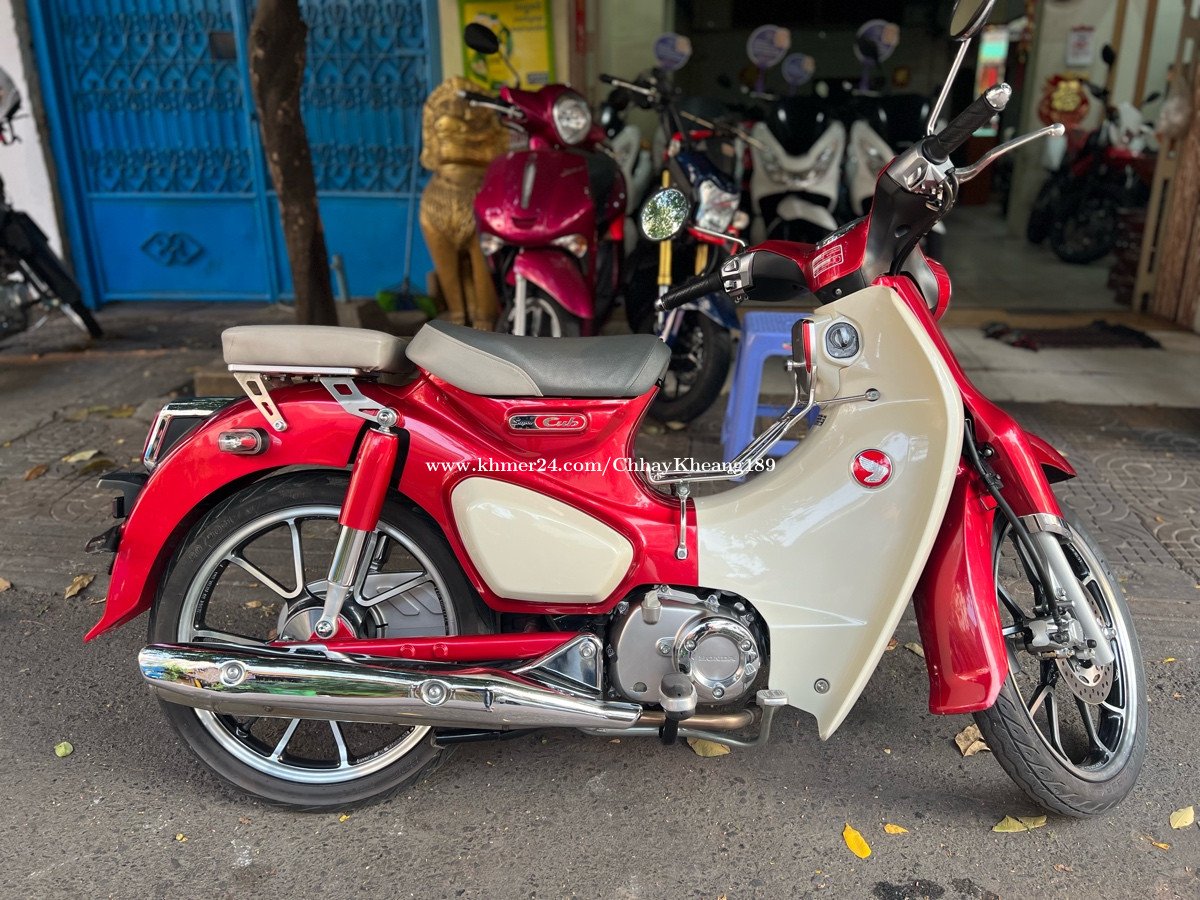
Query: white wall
{"points": [[23, 165]]}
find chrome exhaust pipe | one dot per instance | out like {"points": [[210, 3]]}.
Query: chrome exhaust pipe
{"points": [[238, 681]]}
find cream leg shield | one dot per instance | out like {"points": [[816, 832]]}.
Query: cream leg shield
{"points": [[828, 562]]}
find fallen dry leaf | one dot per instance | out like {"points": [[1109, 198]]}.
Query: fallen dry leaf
{"points": [[36, 472], [915, 648], [1183, 818], [78, 583], [856, 842], [80, 456], [1169, 659], [893, 644], [181, 838], [1009, 825], [244, 820], [970, 741], [63, 748], [121, 412], [707, 749], [894, 829], [5, 584], [1159, 844], [253, 604], [343, 817], [100, 464], [887, 750], [1060, 867]]}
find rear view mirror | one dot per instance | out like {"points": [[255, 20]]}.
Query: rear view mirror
{"points": [[1108, 54], [968, 18], [481, 39], [664, 214]]}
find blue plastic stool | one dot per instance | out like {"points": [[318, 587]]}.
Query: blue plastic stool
{"points": [[765, 335]]}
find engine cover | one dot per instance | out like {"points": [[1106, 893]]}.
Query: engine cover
{"points": [[715, 642]]}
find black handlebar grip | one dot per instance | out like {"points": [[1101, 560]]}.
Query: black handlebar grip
{"points": [[939, 146], [476, 97], [690, 290], [608, 79]]}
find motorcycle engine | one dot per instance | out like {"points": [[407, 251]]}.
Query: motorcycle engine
{"points": [[14, 298], [716, 641]]}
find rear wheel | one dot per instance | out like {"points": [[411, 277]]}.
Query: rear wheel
{"points": [[1070, 734], [254, 570], [1045, 207], [1087, 231]]}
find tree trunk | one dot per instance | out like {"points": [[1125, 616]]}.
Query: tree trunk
{"points": [[277, 46]]}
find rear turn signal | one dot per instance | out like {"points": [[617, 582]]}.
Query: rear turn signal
{"points": [[243, 442]]}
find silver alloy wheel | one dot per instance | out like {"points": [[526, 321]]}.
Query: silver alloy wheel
{"points": [[410, 595], [542, 317], [1094, 744]]}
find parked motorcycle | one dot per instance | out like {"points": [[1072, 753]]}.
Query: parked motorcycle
{"points": [[700, 333], [550, 218], [345, 576], [32, 277], [1078, 205], [797, 170], [625, 141]]}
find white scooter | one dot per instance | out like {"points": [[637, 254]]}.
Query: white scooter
{"points": [[797, 170]]}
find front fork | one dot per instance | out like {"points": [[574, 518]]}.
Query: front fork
{"points": [[1041, 536], [370, 478]]}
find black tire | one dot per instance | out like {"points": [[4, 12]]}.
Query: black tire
{"points": [[699, 365], [1051, 776], [1045, 207], [544, 317], [202, 731], [47, 270], [1087, 231]]}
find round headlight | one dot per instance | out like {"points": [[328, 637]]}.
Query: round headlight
{"points": [[572, 118]]}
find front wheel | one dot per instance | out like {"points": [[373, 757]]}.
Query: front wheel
{"points": [[1071, 735], [543, 317], [700, 360], [254, 570]]}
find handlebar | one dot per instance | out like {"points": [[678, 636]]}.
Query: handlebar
{"points": [[630, 86], [938, 147], [692, 289]]}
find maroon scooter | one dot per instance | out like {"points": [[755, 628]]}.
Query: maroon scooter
{"points": [[551, 218]]}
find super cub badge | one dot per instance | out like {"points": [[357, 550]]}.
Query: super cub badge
{"points": [[559, 423], [872, 468]]}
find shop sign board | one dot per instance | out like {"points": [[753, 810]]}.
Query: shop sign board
{"points": [[526, 33]]}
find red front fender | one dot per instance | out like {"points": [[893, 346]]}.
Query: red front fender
{"points": [[319, 435], [956, 605], [558, 274]]}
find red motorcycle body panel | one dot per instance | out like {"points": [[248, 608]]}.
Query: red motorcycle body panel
{"points": [[531, 197], [955, 602], [452, 435], [557, 273]]}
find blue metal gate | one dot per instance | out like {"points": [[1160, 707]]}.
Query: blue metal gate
{"points": [[160, 165]]}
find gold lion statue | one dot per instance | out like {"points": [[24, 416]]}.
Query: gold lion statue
{"points": [[458, 141]]}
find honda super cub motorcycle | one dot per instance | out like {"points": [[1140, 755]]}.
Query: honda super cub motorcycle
{"points": [[346, 576], [550, 218], [32, 277]]}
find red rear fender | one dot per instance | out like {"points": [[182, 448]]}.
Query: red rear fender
{"points": [[195, 475]]}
